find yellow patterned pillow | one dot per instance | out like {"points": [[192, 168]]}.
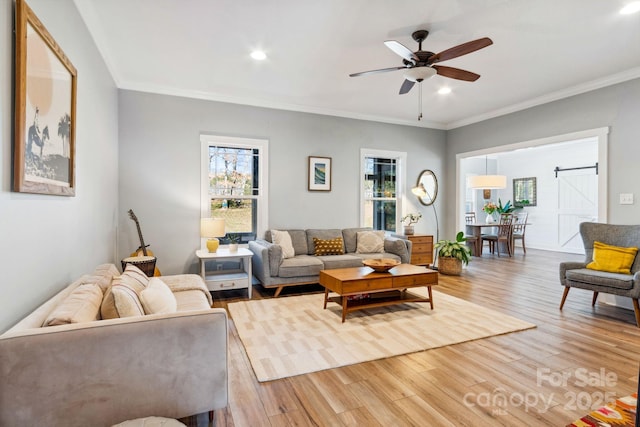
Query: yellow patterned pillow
{"points": [[612, 259], [328, 247]]}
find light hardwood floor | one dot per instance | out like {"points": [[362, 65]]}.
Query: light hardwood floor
{"points": [[547, 376]]}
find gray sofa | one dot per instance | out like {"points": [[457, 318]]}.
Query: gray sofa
{"points": [[103, 372], [576, 275], [274, 271]]}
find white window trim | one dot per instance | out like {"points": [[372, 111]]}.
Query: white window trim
{"points": [[263, 174], [401, 178]]}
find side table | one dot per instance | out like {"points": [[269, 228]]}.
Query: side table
{"points": [[220, 280]]}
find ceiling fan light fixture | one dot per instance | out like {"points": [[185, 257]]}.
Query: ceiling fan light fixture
{"points": [[418, 74]]}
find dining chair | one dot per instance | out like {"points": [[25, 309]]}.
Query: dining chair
{"points": [[519, 228], [471, 240], [470, 217], [503, 235]]}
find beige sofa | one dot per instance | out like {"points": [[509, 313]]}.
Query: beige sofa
{"points": [[274, 270], [102, 372]]}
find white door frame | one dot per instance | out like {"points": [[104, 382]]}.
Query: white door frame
{"points": [[602, 135]]}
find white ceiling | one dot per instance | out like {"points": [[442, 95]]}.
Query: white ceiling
{"points": [[543, 50]]}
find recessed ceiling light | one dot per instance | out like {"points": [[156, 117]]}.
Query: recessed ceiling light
{"points": [[258, 55], [444, 90], [630, 8]]}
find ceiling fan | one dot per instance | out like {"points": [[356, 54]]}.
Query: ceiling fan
{"points": [[419, 65]]}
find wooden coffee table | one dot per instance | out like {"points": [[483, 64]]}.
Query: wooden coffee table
{"points": [[383, 288]]}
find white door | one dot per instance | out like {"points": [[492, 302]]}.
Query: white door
{"points": [[577, 202]]}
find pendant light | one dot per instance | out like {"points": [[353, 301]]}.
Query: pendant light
{"points": [[486, 181]]}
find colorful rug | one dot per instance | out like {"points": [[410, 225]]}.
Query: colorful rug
{"points": [[290, 336], [621, 413]]}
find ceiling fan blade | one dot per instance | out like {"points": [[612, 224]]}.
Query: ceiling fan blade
{"points": [[406, 86], [456, 73], [402, 50], [382, 70], [460, 50]]}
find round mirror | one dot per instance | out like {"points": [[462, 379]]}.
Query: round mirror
{"points": [[426, 188]]}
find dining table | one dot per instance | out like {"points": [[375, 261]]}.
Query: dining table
{"points": [[475, 229]]}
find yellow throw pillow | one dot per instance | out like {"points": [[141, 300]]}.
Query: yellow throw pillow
{"points": [[328, 247], [612, 259]]}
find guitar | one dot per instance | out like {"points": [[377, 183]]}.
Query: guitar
{"points": [[142, 249]]}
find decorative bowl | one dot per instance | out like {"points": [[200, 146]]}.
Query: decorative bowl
{"points": [[381, 265]]}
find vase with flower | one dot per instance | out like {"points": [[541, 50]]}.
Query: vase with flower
{"points": [[490, 209]]}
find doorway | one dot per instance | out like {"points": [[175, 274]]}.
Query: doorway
{"points": [[564, 199]]}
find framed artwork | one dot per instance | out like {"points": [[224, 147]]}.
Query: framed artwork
{"points": [[319, 173], [524, 192], [45, 110]]}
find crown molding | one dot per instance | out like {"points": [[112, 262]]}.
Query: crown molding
{"points": [[613, 79]]}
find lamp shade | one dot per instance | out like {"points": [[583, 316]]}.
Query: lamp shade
{"points": [[212, 227], [419, 190], [418, 74], [492, 182]]}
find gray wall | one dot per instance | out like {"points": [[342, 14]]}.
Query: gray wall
{"points": [[48, 241], [617, 107], [160, 168]]}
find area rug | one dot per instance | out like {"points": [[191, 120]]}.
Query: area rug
{"points": [[290, 336]]}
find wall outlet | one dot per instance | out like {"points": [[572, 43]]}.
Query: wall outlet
{"points": [[626, 198]]}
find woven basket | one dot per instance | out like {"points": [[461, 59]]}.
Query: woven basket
{"points": [[450, 265]]}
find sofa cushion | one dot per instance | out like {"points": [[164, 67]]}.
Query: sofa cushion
{"points": [[322, 234], [613, 259], [106, 273], [350, 238], [81, 305], [298, 239], [132, 277], [300, 265], [157, 298], [283, 238], [378, 256], [328, 247], [126, 301], [600, 278], [369, 242], [397, 246], [340, 261]]}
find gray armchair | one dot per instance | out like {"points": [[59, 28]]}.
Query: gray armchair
{"points": [[575, 274]]}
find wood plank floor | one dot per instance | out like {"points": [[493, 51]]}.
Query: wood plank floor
{"points": [[574, 360]]}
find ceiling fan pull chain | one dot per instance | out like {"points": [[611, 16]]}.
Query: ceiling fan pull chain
{"points": [[419, 101]]}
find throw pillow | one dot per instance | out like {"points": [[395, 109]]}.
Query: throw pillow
{"points": [[134, 278], [612, 259], [126, 301], [81, 305], [157, 298], [369, 242], [283, 238], [328, 247]]}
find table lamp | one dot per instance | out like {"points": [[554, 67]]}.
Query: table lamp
{"points": [[211, 228]]}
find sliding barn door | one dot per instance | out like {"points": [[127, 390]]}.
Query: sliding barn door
{"points": [[577, 202]]}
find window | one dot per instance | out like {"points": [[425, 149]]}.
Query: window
{"points": [[382, 178], [234, 184]]}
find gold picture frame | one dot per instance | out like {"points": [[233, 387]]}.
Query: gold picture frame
{"points": [[45, 110], [319, 173]]}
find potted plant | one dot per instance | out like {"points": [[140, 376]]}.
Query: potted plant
{"points": [[409, 220], [452, 254], [234, 239]]}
